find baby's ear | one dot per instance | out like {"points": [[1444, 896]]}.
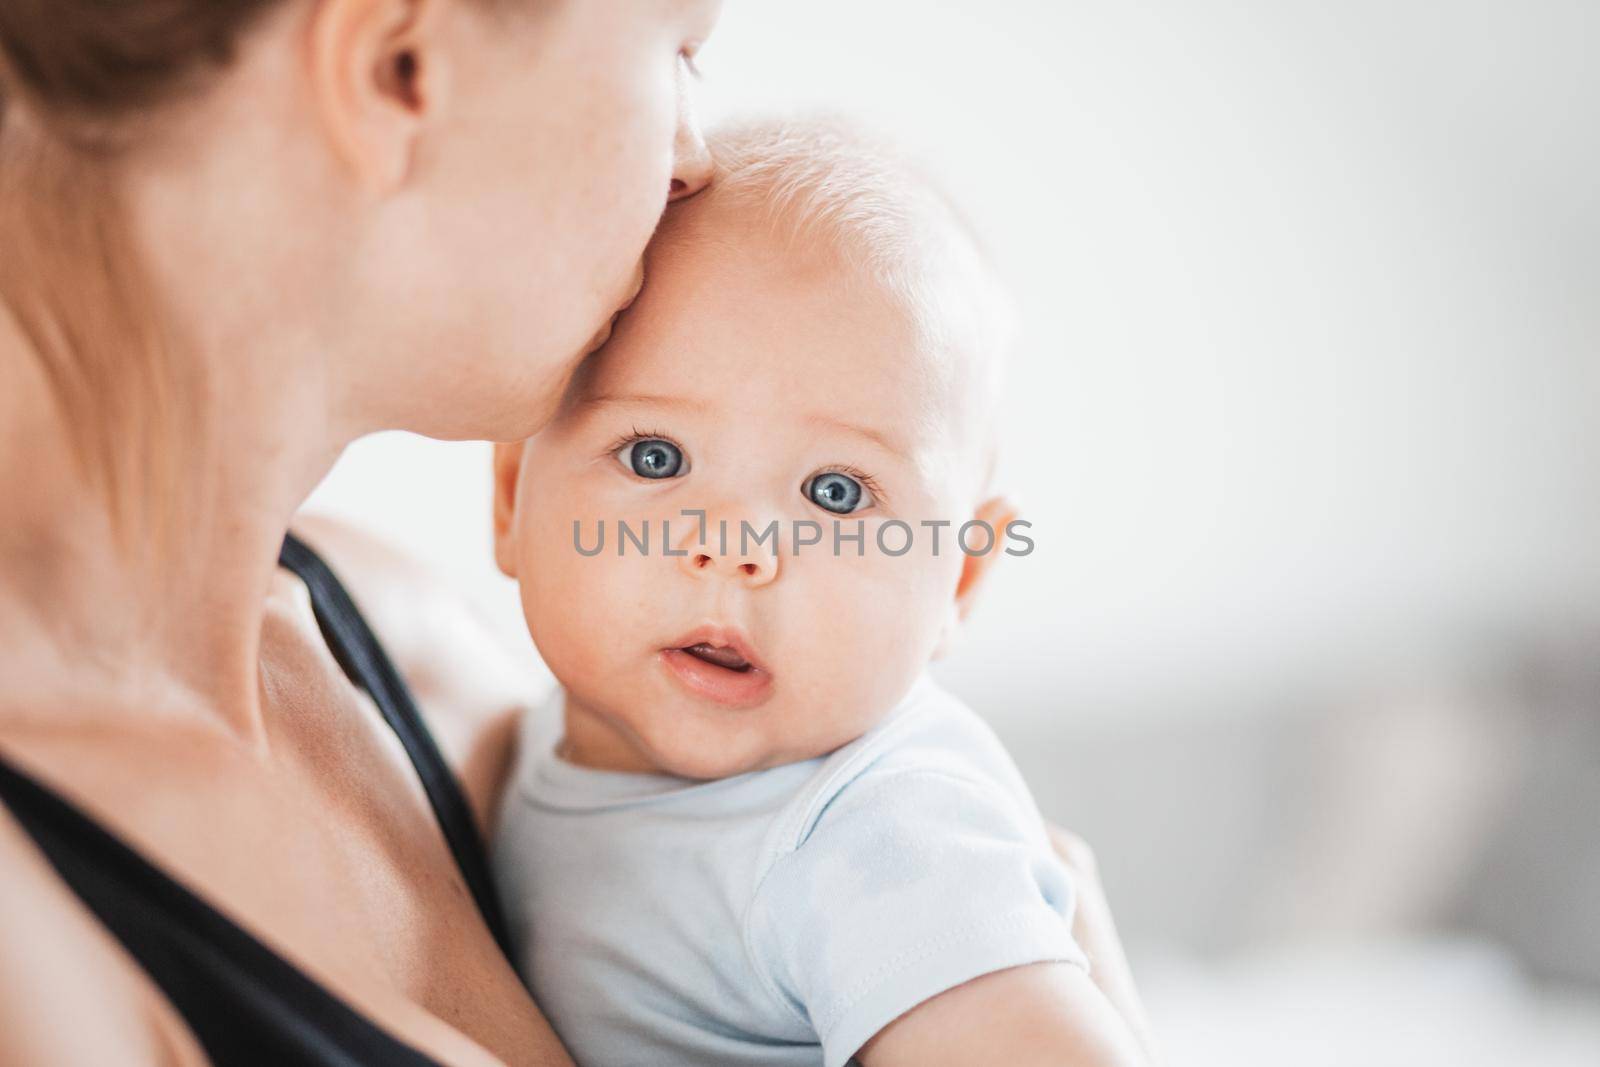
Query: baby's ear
{"points": [[999, 513], [507, 471]]}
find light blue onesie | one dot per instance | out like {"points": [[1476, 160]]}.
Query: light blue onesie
{"points": [[778, 917]]}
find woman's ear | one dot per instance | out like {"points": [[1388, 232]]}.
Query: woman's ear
{"points": [[998, 513], [376, 73], [507, 472]]}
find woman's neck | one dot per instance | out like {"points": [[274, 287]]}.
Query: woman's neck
{"points": [[97, 613]]}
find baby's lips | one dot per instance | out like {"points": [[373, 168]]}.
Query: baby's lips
{"points": [[722, 657], [722, 644], [705, 680]]}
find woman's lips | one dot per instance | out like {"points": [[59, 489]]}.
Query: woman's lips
{"points": [[719, 664]]}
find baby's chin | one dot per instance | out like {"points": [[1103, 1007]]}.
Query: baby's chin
{"points": [[708, 754], [657, 728], [712, 762]]}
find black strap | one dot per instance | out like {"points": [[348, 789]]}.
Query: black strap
{"points": [[244, 1003], [364, 662]]}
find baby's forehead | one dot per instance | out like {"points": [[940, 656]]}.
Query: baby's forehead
{"points": [[734, 319], [815, 270]]}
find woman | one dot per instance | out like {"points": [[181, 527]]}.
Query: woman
{"points": [[234, 236]]}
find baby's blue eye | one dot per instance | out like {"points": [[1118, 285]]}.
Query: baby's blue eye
{"points": [[651, 457], [838, 493]]}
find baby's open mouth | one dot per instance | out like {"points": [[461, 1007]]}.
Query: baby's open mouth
{"points": [[718, 663], [719, 655]]}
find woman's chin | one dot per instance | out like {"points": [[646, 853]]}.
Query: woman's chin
{"points": [[598, 341], [635, 286]]}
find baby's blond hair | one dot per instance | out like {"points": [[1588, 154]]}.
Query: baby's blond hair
{"points": [[824, 184]]}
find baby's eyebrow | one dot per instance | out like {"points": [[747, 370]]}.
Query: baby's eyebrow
{"points": [[646, 398], [884, 441]]}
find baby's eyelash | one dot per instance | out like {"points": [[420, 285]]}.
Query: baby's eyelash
{"points": [[859, 475], [637, 434]]}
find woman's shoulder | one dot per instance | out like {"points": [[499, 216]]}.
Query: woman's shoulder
{"points": [[69, 993], [472, 678]]}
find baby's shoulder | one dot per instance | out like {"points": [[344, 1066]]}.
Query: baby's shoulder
{"points": [[933, 753]]}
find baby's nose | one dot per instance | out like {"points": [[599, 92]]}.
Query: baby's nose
{"points": [[732, 551]]}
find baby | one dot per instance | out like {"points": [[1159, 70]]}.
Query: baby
{"points": [[750, 829]]}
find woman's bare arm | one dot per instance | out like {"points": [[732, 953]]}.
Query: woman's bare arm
{"points": [[1096, 933]]}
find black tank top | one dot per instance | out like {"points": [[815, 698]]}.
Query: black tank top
{"points": [[245, 1003]]}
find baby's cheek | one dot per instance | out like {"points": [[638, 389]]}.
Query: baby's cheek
{"points": [[867, 631], [907, 595], [573, 602]]}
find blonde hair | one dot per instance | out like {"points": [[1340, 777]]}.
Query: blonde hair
{"points": [[826, 182]]}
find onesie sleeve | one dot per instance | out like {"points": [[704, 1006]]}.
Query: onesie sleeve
{"points": [[908, 884]]}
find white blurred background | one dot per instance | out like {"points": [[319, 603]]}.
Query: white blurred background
{"points": [[1310, 646]]}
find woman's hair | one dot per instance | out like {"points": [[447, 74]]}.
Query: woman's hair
{"points": [[98, 60], [79, 80]]}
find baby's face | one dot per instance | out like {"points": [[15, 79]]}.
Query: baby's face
{"points": [[757, 387]]}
